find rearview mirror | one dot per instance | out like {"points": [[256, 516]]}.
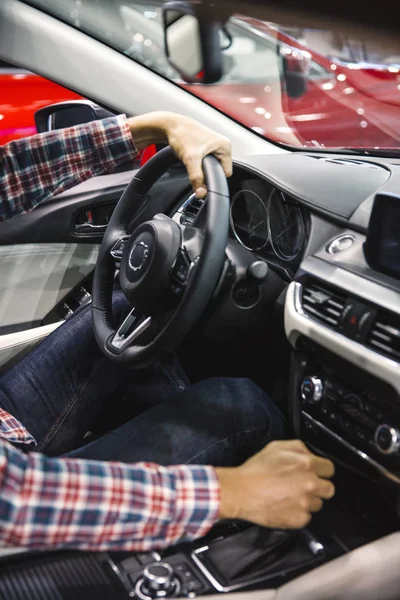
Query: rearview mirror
{"points": [[193, 43], [225, 39], [68, 114]]}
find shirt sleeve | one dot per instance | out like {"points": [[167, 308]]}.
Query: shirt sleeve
{"points": [[34, 169], [92, 505]]}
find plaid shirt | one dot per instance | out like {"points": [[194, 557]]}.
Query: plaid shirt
{"points": [[77, 503], [35, 169]]}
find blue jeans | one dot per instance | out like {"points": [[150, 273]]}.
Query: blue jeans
{"points": [[58, 389]]}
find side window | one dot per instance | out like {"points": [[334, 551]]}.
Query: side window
{"points": [[21, 94]]}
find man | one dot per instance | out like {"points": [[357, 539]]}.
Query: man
{"points": [[102, 495]]}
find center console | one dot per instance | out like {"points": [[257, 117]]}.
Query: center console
{"points": [[345, 376], [234, 556], [342, 319]]}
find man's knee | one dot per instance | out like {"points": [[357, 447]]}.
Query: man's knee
{"points": [[237, 415], [238, 399]]}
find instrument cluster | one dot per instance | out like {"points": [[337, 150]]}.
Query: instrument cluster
{"points": [[267, 221]]}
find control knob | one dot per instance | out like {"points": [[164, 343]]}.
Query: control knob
{"points": [[257, 272], [312, 389], [158, 577], [158, 581], [387, 439]]}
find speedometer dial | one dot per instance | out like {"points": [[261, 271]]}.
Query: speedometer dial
{"points": [[249, 220], [286, 226]]}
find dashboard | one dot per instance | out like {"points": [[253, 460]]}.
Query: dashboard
{"points": [[267, 222], [308, 216], [284, 206]]}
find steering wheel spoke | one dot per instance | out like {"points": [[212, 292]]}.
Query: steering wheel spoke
{"points": [[117, 250], [192, 241], [130, 329]]}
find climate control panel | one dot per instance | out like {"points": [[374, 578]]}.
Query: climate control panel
{"points": [[363, 419]]}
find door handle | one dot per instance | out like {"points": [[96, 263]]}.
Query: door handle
{"points": [[89, 228], [94, 220]]}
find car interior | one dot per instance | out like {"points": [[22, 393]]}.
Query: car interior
{"points": [[299, 290]]}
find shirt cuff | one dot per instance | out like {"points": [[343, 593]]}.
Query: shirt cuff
{"points": [[112, 142], [13, 431], [197, 501]]}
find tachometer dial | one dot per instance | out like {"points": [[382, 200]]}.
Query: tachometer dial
{"points": [[249, 220], [286, 226]]}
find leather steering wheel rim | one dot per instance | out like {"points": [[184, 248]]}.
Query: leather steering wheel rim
{"points": [[203, 274]]}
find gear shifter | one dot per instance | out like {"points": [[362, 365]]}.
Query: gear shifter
{"points": [[248, 551]]}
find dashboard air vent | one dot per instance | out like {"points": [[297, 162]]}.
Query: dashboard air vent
{"points": [[323, 304], [190, 209], [384, 335]]}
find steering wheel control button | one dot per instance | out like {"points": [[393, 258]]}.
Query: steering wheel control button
{"points": [[257, 272], [387, 439], [118, 249], [181, 267], [158, 581], [312, 389]]}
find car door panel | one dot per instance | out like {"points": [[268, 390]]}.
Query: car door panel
{"points": [[14, 345], [44, 260], [34, 278], [54, 221]]}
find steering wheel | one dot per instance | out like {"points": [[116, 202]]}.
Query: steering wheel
{"points": [[168, 271]]}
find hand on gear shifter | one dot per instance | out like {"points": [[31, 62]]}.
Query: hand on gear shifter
{"points": [[280, 487]]}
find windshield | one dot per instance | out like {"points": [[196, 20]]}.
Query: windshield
{"points": [[300, 87]]}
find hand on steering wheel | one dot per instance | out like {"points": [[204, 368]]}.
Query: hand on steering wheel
{"points": [[168, 272]]}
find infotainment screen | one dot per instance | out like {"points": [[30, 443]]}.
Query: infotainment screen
{"points": [[382, 246]]}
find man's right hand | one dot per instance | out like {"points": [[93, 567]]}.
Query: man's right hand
{"points": [[280, 487]]}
